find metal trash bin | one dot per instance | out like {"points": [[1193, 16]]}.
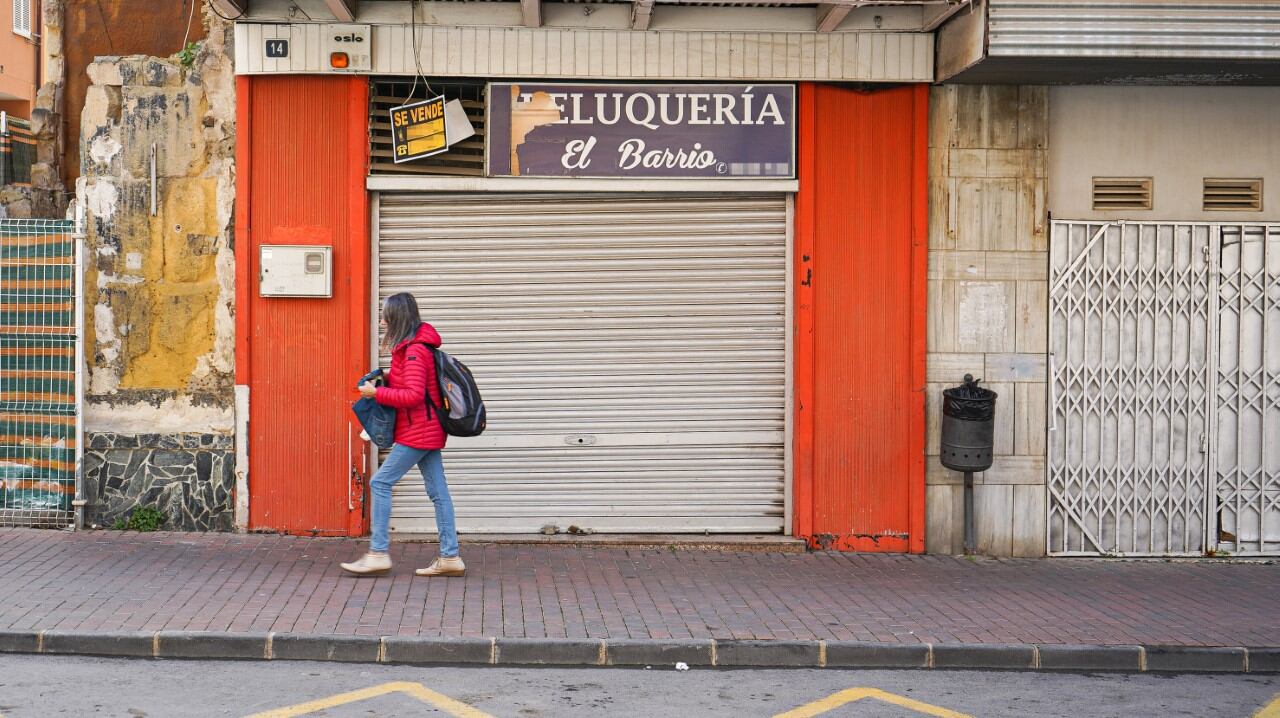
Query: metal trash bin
{"points": [[968, 439], [968, 426]]}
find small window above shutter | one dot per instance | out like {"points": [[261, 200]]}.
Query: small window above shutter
{"points": [[1232, 195]]}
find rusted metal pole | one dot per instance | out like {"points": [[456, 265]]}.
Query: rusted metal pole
{"points": [[969, 544]]}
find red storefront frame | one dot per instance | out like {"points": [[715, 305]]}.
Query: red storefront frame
{"points": [[860, 301]]}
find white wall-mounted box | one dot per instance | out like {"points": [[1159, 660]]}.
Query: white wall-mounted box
{"points": [[295, 270], [355, 41]]}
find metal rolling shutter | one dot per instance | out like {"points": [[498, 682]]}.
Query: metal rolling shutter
{"points": [[630, 348]]}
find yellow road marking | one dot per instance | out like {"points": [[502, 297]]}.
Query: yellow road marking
{"points": [[1270, 710], [416, 690], [836, 700]]}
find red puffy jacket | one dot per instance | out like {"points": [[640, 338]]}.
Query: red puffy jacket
{"points": [[413, 372]]}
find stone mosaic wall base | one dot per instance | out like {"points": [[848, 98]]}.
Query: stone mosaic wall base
{"points": [[190, 478]]}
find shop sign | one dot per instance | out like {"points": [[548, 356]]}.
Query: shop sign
{"points": [[418, 130], [664, 131]]}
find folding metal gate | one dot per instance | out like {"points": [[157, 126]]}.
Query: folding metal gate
{"points": [[41, 355], [1163, 362], [1247, 440]]}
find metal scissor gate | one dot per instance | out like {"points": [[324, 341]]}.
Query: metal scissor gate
{"points": [[1164, 358]]}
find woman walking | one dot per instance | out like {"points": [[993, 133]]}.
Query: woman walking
{"points": [[418, 437]]}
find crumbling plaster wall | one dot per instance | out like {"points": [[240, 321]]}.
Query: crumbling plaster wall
{"points": [[160, 288], [162, 324], [116, 28]]}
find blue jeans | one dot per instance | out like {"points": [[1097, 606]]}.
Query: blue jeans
{"points": [[399, 461]]}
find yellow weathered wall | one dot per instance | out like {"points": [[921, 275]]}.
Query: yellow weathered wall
{"points": [[160, 287], [180, 282]]}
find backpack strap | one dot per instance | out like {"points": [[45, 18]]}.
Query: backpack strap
{"points": [[431, 405]]}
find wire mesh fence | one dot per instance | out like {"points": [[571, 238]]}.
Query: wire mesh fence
{"points": [[17, 150], [40, 431]]}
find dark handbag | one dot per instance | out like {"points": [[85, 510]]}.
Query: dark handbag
{"points": [[379, 421]]}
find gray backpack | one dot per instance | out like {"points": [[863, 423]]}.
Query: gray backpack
{"points": [[463, 412]]}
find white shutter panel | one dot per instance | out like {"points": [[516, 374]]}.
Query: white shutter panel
{"points": [[22, 17], [630, 349]]}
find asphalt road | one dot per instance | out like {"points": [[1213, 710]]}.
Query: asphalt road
{"points": [[41, 686]]}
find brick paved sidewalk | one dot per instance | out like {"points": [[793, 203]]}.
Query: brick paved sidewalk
{"points": [[114, 581]]}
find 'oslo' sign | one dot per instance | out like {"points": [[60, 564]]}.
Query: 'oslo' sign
{"points": [[675, 131]]}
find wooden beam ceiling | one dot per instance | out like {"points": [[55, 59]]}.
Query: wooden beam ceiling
{"points": [[843, 3], [830, 16], [641, 14], [230, 8], [532, 11], [935, 15], [342, 10]]}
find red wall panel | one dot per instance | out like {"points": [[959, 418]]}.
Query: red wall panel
{"points": [[860, 298], [302, 162]]}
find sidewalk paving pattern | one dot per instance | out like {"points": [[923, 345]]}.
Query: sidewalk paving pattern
{"points": [[112, 581]]}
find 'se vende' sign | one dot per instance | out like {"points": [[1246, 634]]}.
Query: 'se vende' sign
{"points": [[418, 129], [672, 131]]}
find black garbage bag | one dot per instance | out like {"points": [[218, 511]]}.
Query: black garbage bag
{"points": [[969, 402]]}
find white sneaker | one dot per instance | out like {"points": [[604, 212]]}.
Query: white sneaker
{"points": [[451, 566], [370, 564]]}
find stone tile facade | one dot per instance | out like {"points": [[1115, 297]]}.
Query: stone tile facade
{"points": [[988, 305], [190, 478]]}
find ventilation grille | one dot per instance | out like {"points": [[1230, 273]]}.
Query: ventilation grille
{"points": [[1233, 195], [1121, 193], [464, 159]]}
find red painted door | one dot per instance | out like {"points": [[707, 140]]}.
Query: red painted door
{"points": [[301, 167], [860, 296]]}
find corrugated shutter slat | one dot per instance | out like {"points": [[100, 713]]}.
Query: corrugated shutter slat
{"points": [[651, 327]]}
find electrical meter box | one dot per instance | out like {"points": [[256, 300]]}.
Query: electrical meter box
{"points": [[293, 270]]}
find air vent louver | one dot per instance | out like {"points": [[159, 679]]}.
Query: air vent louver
{"points": [[1121, 193], [1232, 195]]}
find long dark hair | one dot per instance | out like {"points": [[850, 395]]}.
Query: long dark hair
{"points": [[400, 311]]}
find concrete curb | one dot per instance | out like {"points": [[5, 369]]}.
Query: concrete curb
{"points": [[1091, 658], [200, 644], [1264, 660], [549, 652], [19, 641], [425, 651], [343, 649], [1186, 659], [415, 650], [135, 644], [650, 652], [1009, 656], [849, 654], [759, 654]]}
